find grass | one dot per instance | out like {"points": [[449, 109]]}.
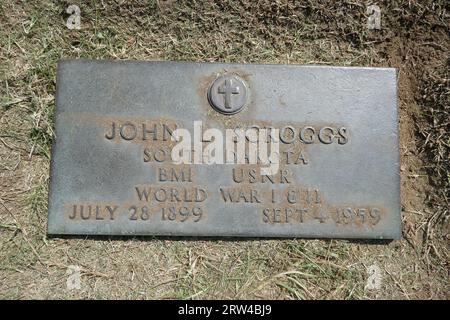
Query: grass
{"points": [[33, 37]]}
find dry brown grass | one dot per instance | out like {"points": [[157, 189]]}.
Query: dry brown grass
{"points": [[414, 39]]}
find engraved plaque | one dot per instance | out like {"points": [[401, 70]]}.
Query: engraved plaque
{"points": [[204, 149]]}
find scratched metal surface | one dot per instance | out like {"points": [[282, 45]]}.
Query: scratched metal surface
{"points": [[87, 169]]}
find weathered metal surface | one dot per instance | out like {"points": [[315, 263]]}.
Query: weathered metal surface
{"points": [[111, 171]]}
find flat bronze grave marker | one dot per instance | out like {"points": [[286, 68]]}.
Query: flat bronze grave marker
{"points": [[118, 123]]}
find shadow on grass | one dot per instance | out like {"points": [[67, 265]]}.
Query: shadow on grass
{"points": [[208, 238]]}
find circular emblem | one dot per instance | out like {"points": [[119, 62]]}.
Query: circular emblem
{"points": [[228, 94]]}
